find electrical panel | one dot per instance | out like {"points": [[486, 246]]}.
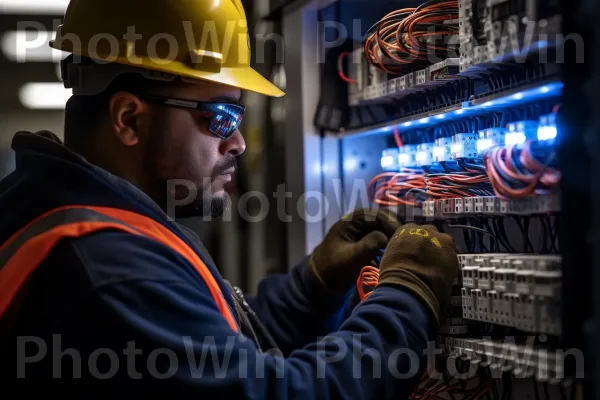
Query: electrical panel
{"points": [[469, 94]]}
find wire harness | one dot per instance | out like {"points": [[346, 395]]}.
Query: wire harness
{"points": [[407, 38], [515, 172]]}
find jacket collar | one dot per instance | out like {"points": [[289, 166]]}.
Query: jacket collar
{"points": [[48, 143]]}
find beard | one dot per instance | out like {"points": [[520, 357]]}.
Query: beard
{"points": [[179, 190], [192, 200], [211, 206], [187, 200]]}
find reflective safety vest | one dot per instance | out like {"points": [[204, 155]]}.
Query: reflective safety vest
{"points": [[26, 249]]}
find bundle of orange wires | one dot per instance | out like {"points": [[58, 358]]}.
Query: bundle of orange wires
{"points": [[452, 185], [393, 188], [511, 180], [401, 35], [389, 188]]}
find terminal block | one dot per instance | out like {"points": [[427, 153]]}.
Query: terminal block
{"points": [[523, 359], [444, 70], [516, 290], [490, 205]]}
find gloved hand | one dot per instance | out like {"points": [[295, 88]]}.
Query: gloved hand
{"points": [[424, 261], [351, 243]]}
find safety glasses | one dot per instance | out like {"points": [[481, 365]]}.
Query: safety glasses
{"points": [[224, 118]]}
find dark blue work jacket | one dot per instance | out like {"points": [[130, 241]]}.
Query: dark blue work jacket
{"points": [[116, 314]]}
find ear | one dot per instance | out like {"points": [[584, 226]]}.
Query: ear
{"points": [[126, 112]]}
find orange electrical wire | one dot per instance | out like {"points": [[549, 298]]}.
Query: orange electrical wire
{"points": [[531, 173], [340, 68], [372, 51], [393, 188], [397, 36], [369, 277], [397, 137], [548, 177], [391, 183]]}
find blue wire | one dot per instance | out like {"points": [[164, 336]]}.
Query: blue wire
{"points": [[516, 161], [475, 167], [508, 181]]}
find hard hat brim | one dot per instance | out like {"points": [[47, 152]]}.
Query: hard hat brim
{"points": [[242, 77], [245, 78]]}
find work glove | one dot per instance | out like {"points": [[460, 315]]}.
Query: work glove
{"points": [[424, 261], [353, 242]]}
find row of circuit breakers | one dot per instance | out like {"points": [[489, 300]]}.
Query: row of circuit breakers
{"points": [[469, 145], [491, 206], [521, 291], [522, 359], [514, 290]]}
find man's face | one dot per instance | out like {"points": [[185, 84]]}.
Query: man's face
{"points": [[182, 152]]}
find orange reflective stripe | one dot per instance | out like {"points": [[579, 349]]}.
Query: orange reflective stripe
{"points": [[159, 232], [27, 257]]}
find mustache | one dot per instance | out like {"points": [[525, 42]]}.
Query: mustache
{"points": [[229, 164]]}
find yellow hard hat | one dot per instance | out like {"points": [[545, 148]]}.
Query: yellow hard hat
{"points": [[197, 39]]}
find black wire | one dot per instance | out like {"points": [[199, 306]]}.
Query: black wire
{"points": [[535, 389], [563, 392], [555, 243], [502, 231], [545, 235], [373, 28], [420, 47], [467, 240], [473, 236], [427, 3], [447, 381], [494, 387], [520, 226], [494, 245], [476, 229], [480, 236], [507, 384], [480, 239], [476, 237], [546, 391], [551, 237], [479, 224], [494, 223], [527, 237]]}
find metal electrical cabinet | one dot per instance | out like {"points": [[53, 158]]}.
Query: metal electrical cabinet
{"points": [[494, 140]]}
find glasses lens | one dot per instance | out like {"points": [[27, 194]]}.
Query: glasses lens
{"points": [[226, 119]]}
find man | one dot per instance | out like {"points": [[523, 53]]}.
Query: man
{"points": [[102, 293]]}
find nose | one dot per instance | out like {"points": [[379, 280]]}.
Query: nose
{"points": [[235, 145]]}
